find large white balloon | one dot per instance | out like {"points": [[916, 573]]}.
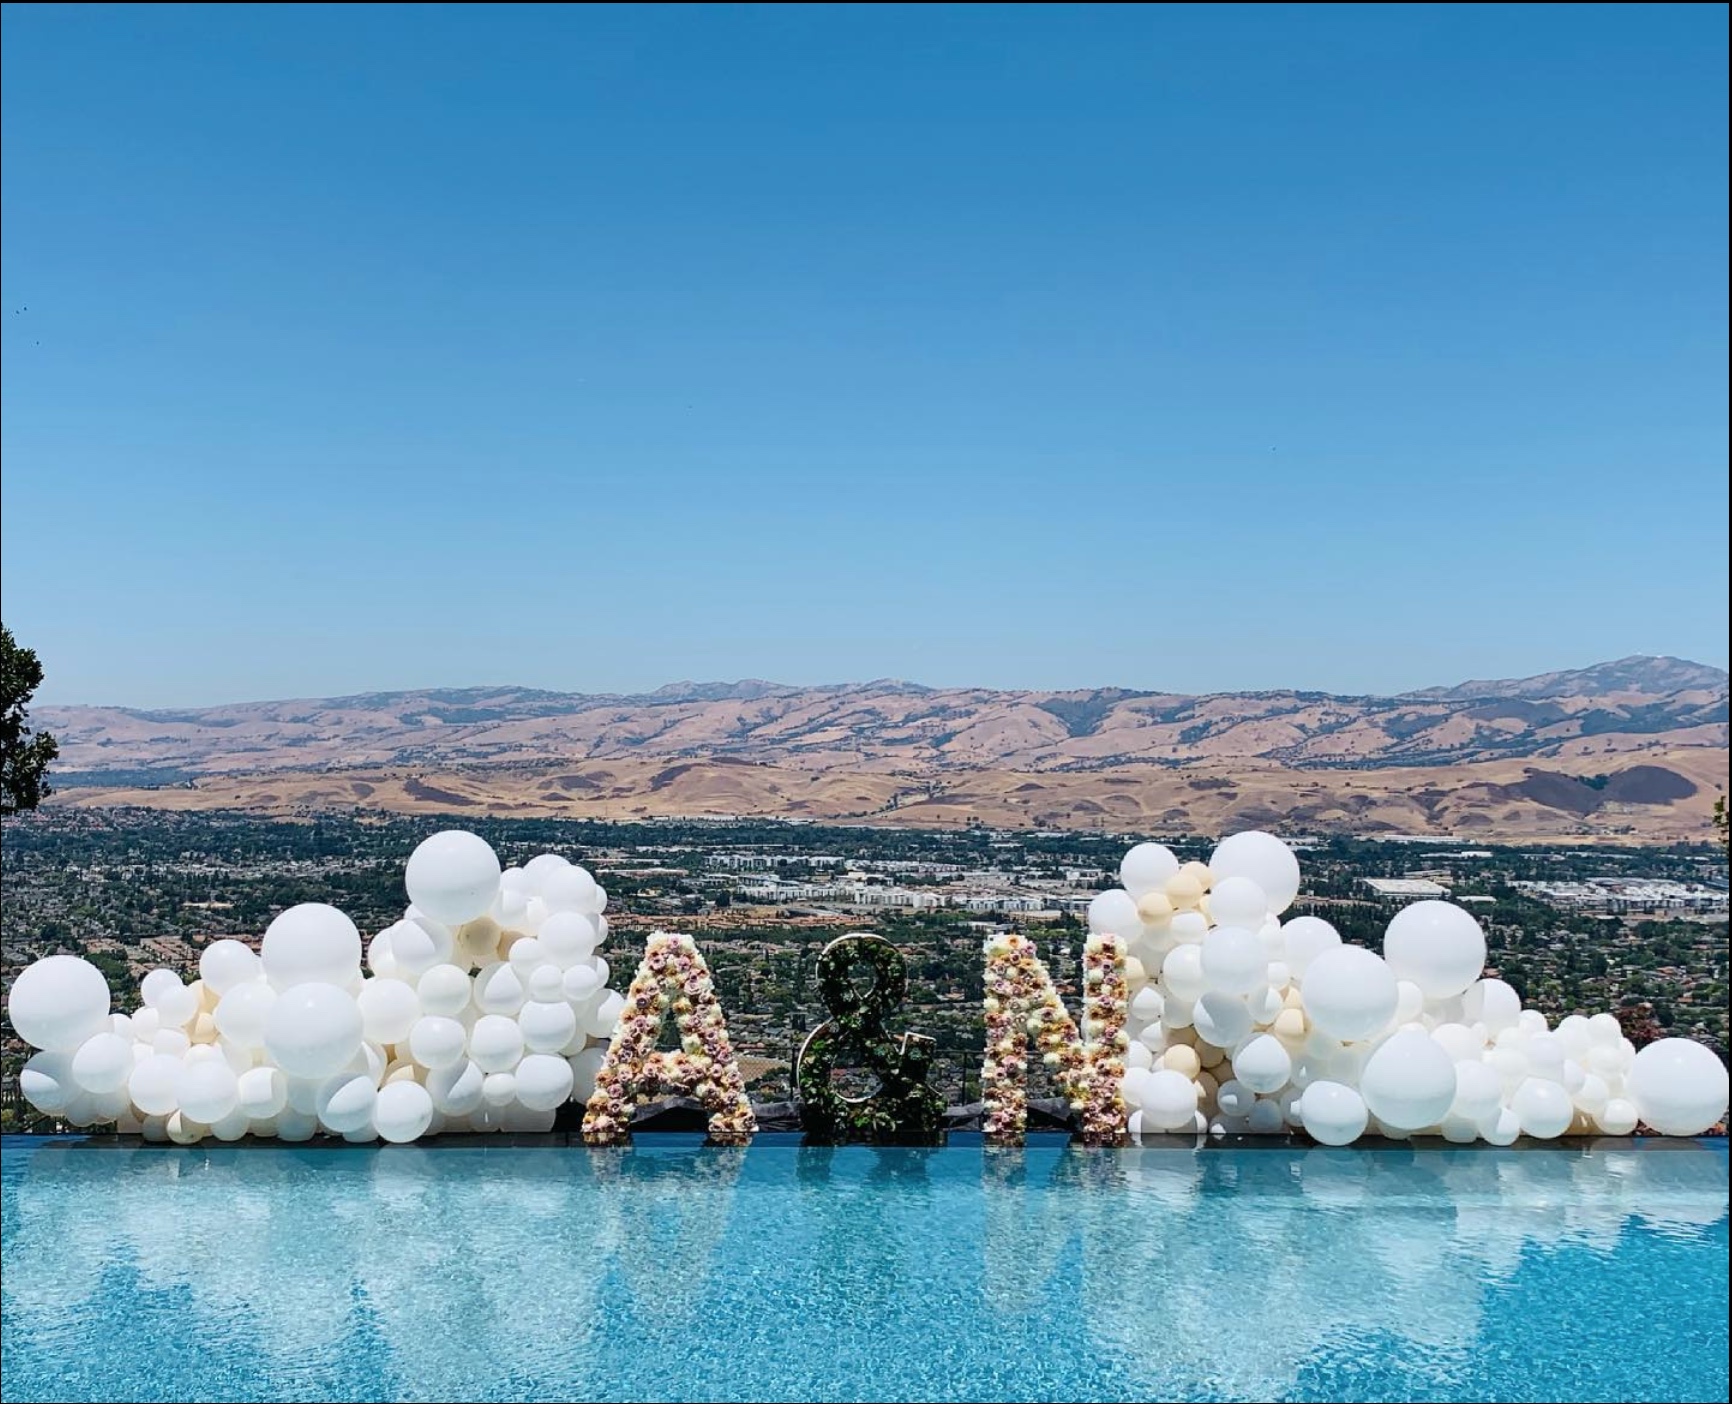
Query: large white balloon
{"points": [[241, 1013], [313, 1029], [311, 944], [1408, 1082], [1349, 992], [1264, 859], [58, 1003], [453, 877], [1678, 1087], [1437, 945]]}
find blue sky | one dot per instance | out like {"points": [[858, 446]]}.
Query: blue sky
{"points": [[1351, 347]]}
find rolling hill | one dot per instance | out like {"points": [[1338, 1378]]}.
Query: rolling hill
{"points": [[1636, 748]]}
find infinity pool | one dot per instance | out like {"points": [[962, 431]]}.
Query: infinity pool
{"points": [[676, 1272]]}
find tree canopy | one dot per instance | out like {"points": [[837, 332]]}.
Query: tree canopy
{"points": [[24, 755]]}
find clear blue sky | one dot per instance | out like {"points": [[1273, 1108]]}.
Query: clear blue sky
{"points": [[1199, 348]]}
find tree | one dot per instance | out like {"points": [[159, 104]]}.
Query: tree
{"points": [[1720, 822], [24, 756]]}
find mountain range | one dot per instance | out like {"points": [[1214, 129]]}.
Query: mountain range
{"points": [[1635, 747]]}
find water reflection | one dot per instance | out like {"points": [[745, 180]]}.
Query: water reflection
{"points": [[804, 1272]]}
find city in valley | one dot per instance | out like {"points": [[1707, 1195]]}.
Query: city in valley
{"points": [[1642, 930]]}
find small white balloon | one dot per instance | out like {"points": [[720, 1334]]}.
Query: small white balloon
{"points": [[496, 1043], [1304, 939], [1148, 867], [227, 963], [445, 989], [1332, 1113], [402, 1112], [389, 1009]]}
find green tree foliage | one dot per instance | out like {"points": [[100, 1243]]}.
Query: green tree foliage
{"points": [[24, 757], [1720, 823]]}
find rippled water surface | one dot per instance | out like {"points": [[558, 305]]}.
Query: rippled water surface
{"points": [[675, 1272]]}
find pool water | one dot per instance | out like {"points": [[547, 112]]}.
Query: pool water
{"points": [[676, 1272]]}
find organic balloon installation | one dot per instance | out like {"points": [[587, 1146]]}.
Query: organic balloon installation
{"points": [[1243, 1022], [487, 1008]]}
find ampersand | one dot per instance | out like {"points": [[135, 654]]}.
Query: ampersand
{"points": [[903, 1108]]}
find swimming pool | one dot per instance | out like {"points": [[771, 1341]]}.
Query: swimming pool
{"points": [[672, 1271]]}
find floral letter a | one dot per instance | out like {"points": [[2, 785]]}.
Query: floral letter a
{"points": [[1020, 995], [672, 973]]}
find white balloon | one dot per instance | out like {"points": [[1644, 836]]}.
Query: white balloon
{"points": [[47, 1083], [207, 1091], [1264, 859], [1437, 945], [261, 1092], [1147, 868], [1237, 901], [570, 889], [585, 1067], [1182, 974], [1233, 960], [605, 1015], [1349, 992], [444, 989], [547, 1027], [102, 1063], [1169, 1100], [312, 1030], [499, 989], [311, 944], [1478, 1091], [418, 943], [577, 983], [1221, 1019], [389, 1009], [456, 1088], [1543, 1108], [1619, 1117], [499, 1089], [1492, 1003], [1266, 1118], [1306, 938], [1263, 1064], [1114, 913], [436, 1041], [1678, 1087], [346, 1102], [453, 877], [543, 1081], [495, 1043], [153, 1083], [568, 937], [227, 963], [1332, 1114], [57, 1003], [241, 1013], [1408, 1083], [402, 1112]]}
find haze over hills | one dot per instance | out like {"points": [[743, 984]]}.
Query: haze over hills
{"points": [[1636, 746]]}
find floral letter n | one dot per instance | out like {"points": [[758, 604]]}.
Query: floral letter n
{"points": [[672, 973], [1020, 997]]}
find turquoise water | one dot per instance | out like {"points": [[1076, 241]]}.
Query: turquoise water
{"points": [[672, 1271]]}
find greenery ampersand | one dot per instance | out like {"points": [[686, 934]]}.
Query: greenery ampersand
{"points": [[903, 1108]]}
